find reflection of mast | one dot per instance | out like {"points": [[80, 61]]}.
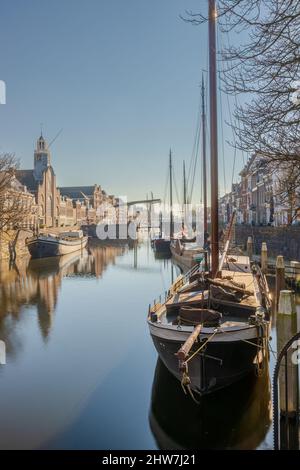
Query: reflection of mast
{"points": [[135, 256], [160, 224]]}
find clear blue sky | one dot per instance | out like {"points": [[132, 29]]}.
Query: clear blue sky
{"points": [[119, 76]]}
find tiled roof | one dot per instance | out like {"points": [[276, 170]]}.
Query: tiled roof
{"points": [[77, 192], [26, 177]]}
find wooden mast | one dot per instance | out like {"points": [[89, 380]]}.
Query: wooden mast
{"points": [[204, 172], [184, 184], [184, 198], [212, 15], [171, 197]]}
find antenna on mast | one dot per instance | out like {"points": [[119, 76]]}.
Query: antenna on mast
{"points": [[57, 135]]}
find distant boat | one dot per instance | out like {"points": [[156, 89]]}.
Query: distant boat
{"points": [[161, 245], [47, 245], [186, 254]]}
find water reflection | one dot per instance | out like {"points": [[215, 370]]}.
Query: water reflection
{"points": [[235, 418], [37, 283], [77, 340]]}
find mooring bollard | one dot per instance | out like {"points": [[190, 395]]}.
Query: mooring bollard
{"points": [[280, 276], [264, 258], [250, 248], [288, 376], [286, 304]]}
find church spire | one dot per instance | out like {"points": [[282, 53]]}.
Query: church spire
{"points": [[41, 157]]}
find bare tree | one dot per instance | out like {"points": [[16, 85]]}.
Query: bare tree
{"points": [[14, 209], [264, 65]]}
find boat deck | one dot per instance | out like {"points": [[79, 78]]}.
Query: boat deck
{"points": [[196, 298], [250, 285], [179, 299]]}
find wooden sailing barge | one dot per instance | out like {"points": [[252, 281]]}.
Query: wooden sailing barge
{"points": [[48, 245], [210, 332], [212, 329]]}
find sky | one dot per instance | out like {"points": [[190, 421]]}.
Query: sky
{"points": [[119, 77]]}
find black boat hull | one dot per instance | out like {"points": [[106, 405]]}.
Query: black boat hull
{"points": [[218, 365], [162, 246]]}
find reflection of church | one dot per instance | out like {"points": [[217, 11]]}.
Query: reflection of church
{"points": [[37, 283]]}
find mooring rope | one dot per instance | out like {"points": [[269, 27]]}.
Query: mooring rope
{"points": [[186, 381], [202, 345], [185, 385]]}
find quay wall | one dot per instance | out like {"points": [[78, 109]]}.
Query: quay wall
{"points": [[283, 241], [14, 241]]}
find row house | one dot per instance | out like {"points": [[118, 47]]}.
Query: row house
{"points": [[90, 197], [255, 198], [24, 203], [67, 212], [229, 203], [286, 201], [252, 197]]}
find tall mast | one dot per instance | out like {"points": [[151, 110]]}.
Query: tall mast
{"points": [[184, 184], [171, 197], [184, 197], [212, 15], [204, 172]]}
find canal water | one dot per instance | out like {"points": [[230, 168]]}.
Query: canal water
{"points": [[81, 371]]}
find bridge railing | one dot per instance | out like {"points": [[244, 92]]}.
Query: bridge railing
{"points": [[286, 411]]}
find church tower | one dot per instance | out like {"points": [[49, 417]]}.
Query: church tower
{"points": [[41, 158]]}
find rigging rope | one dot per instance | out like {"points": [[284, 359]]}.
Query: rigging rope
{"points": [[166, 186], [175, 185], [233, 125], [194, 156], [195, 165]]}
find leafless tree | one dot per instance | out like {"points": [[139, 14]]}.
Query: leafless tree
{"points": [[264, 65], [13, 207]]}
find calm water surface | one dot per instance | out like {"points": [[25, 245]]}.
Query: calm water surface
{"points": [[81, 369]]}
